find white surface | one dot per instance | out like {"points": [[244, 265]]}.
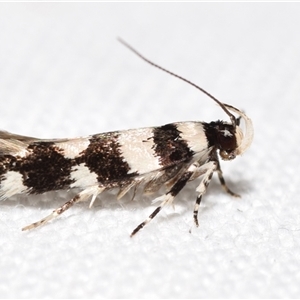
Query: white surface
{"points": [[63, 74]]}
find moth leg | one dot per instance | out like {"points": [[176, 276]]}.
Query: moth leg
{"points": [[167, 199], [221, 178], [223, 183], [82, 196], [211, 167]]}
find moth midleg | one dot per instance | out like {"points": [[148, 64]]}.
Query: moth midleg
{"points": [[167, 199], [210, 167], [84, 195]]}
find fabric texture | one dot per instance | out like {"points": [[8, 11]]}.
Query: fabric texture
{"points": [[63, 74]]}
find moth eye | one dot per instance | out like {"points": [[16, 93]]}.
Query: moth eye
{"points": [[227, 141]]}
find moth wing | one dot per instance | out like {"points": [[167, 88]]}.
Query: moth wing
{"points": [[13, 144], [5, 135]]}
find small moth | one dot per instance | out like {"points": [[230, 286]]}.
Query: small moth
{"points": [[170, 155]]}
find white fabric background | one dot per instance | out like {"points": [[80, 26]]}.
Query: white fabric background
{"points": [[63, 74]]}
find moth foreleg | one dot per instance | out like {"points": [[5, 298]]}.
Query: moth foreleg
{"points": [[223, 183], [166, 199], [93, 192], [221, 178]]}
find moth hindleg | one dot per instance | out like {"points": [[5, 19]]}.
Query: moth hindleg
{"points": [[92, 191]]}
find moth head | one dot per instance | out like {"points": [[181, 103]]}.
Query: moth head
{"points": [[231, 139]]}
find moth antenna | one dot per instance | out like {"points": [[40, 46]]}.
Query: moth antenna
{"points": [[232, 117]]}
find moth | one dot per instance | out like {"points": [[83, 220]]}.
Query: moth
{"points": [[170, 155]]}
